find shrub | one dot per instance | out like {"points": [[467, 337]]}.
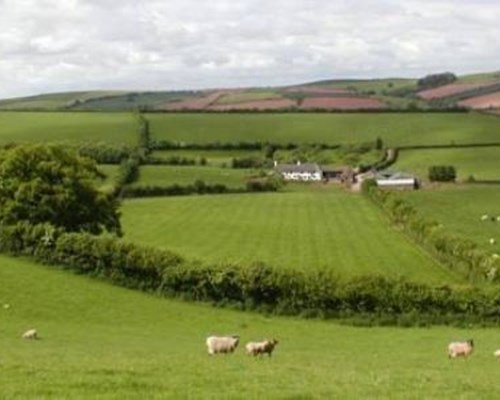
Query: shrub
{"points": [[442, 173]]}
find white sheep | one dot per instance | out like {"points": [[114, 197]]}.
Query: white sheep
{"points": [[460, 349], [6, 306], [484, 217], [266, 346], [492, 241], [30, 334], [222, 344], [497, 353]]}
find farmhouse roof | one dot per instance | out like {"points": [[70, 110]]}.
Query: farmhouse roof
{"points": [[301, 168]]}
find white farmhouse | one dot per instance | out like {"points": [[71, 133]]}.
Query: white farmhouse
{"points": [[300, 172]]}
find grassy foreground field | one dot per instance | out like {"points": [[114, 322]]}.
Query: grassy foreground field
{"points": [[482, 163], [459, 209], [67, 126], [100, 341], [302, 229], [394, 128]]}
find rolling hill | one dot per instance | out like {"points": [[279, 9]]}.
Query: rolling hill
{"points": [[341, 94]]}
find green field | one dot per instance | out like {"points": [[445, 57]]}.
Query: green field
{"points": [[68, 126], [100, 341], [185, 175], [393, 128], [213, 157], [482, 163], [53, 101], [298, 229], [460, 209]]}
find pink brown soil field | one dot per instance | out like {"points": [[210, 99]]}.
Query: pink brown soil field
{"points": [[199, 103], [316, 90], [275, 104], [449, 90], [491, 100], [343, 103]]}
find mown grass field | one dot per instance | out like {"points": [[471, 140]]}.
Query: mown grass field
{"points": [[459, 209], [162, 175], [481, 163], [100, 341], [64, 127], [299, 229], [393, 128], [213, 157]]}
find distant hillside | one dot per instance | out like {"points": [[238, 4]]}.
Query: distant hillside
{"points": [[346, 94]]}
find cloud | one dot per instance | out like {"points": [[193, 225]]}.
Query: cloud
{"points": [[55, 45]]}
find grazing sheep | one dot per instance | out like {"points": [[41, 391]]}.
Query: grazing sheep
{"points": [[492, 241], [266, 346], [30, 334], [222, 344], [460, 349], [6, 306], [497, 353], [498, 218], [484, 217]]}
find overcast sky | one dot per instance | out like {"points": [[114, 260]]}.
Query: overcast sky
{"points": [[60, 45]]}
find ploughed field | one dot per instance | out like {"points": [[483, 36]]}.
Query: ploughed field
{"points": [[101, 341], [483, 163], [45, 127], [460, 208], [320, 227], [394, 128]]}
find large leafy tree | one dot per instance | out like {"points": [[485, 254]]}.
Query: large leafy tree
{"points": [[45, 183]]}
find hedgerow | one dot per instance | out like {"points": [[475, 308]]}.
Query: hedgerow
{"points": [[363, 300]]}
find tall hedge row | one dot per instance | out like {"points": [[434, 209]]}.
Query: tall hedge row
{"points": [[368, 299]]}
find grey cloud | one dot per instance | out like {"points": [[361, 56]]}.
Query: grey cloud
{"points": [[52, 45]]}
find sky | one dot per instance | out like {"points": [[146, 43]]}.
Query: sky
{"points": [[65, 45]]}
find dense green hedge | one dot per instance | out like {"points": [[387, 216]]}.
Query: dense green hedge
{"points": [[369, 299], [442, 173], [457, 253]]}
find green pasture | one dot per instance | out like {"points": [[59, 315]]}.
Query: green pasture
{"points": [[134, 101], [213, 157], [67, 126], [163, 175], [335, 128], [460, 207], [105, 342], [483, 163], [111, 172], [480, 78], [53, 101], [378, 86], [300, 229]]}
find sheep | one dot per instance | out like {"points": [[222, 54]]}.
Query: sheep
{"points": [[492, 241], [484, 217], [30, 334], [222, 344], [266, 346], [460, 349], [6, 306], [497, 353], [498, 218]]}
